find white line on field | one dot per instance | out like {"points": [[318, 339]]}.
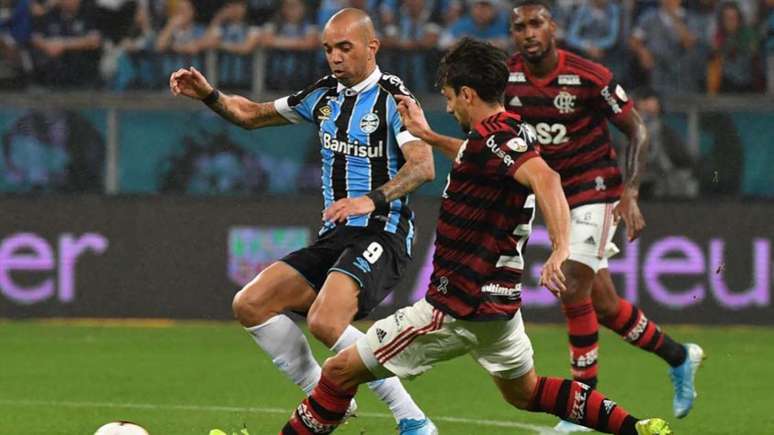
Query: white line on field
{"points": [[542, 430]]}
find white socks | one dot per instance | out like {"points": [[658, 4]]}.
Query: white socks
{"points": [[282, 339], [389, 390], [288, 348]]}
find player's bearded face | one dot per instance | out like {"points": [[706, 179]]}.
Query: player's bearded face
{"points": [[455, 105], [532, 30]]}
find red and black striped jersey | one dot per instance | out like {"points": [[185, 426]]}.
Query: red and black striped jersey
{"points": [[568, 110], [485, 220]]}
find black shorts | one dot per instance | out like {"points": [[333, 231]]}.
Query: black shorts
{"points": [[374, 258]]}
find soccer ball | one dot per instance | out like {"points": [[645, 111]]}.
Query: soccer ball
{"points": [[121, 428]]}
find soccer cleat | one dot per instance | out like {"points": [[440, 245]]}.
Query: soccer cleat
{"points": [[653, 426], [409, 426], [565, 426], [682, 378]]}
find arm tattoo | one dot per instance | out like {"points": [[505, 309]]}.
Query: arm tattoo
{"points": [[408, 178], [221, 107], [246, 113]]}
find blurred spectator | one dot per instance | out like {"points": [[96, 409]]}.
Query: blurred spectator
{"points": [[734, 66], [667, 43], [411, 42], [563, 12], [67, 46], [52, 151], [259, 12], [15, 30], [769, 40], [484, 21], [130, 61], [293, 40], [114, 18], [182, 40], [593, 30], [233, 35], [670, 163], [211, 164], [449, 10]]}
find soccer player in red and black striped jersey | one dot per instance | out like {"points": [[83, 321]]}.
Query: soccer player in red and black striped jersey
{"points": [[568, 101], [472, 305]]}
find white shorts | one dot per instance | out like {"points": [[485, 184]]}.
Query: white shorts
{"points": [[408, 343], [591, 235]]}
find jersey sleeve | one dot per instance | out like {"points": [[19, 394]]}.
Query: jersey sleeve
{"points": [[612, 99], [299, 106], [501, 154], [396, 87]]}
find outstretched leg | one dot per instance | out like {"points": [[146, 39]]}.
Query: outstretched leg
{"points": [[632, 325], [576, 402]]}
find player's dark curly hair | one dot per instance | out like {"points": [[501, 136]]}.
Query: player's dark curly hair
{"points": [[478, 65]]}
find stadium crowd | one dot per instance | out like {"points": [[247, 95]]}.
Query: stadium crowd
{"points": [[676, 46]]}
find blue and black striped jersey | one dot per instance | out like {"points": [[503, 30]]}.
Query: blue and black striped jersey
{"points": [[361, 134]]}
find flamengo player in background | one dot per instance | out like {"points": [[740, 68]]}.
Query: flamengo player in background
{"points": [[568, 101], [472, 305], [370, 164]]}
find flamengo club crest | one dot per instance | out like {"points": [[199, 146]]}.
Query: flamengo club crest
{"points": [[369, 123], [565, 102]]}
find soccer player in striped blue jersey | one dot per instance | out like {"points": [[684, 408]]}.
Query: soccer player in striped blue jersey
{"points": [[370, 163]]}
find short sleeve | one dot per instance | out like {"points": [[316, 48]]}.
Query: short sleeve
{"points": [[299, 106], [503, 153], [399, 131], [611, 98]]}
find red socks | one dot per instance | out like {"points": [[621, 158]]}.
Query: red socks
{"points": [[584, 341], [577, 402], [321, 412]]}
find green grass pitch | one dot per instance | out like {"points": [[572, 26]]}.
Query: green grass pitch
{"points": [[187, 378]]}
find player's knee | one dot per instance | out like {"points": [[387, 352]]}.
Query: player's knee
{"points": [[251, 305], [324, 327], [604, 308], [338, 371]]}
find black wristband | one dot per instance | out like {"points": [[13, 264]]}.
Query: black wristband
{"points": [[377, 196], [212, 97]]}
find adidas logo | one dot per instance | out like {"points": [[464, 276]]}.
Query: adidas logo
{"points": [[380, 334], [590, 241], [515, 102], [608, 404]]}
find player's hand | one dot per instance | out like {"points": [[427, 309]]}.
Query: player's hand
{"points": [[189, 82], [629, 211], [413, 116], [551, 277], [340, 210]]}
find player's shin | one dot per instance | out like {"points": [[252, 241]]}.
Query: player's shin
{"points": [[389, 390], [322, 411], [577, 402], [289, 350], [632, 324], [583, 332]]}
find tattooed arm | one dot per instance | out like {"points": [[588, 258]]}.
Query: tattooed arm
{"points": [[632, 125], [238, 110], [418, 169]]}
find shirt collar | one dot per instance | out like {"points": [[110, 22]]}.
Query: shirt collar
{"points": [[362, 86]]}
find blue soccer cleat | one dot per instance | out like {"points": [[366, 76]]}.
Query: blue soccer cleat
{"points": [[565, 426], [683, 377], [409, 426]]}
